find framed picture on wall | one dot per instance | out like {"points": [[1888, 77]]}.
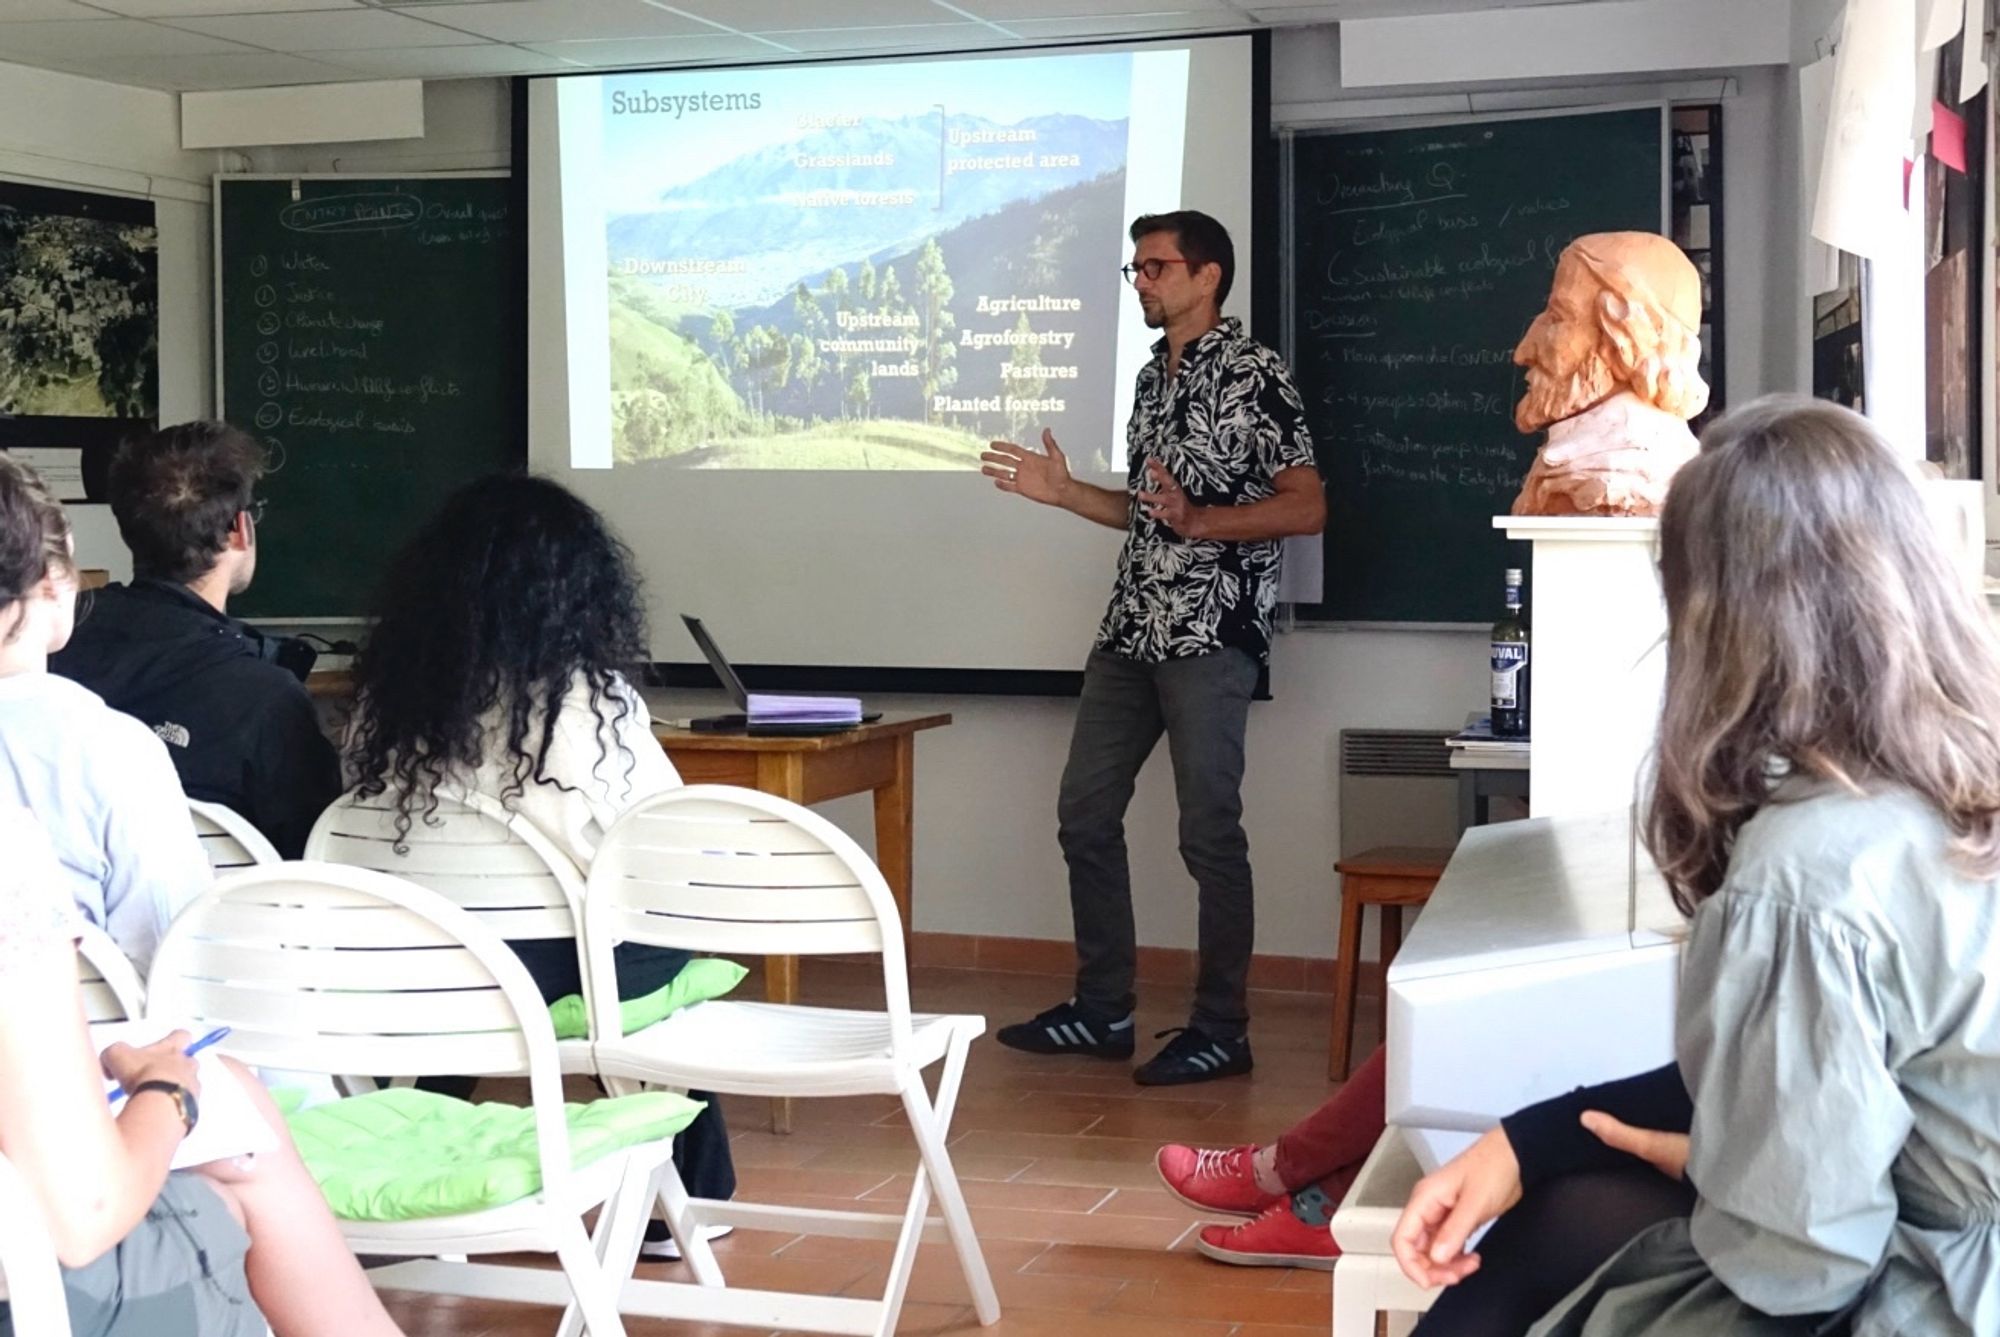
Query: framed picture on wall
{"points": [[79, 330], [1691, 162], [1695, 178], [1837, 347]]}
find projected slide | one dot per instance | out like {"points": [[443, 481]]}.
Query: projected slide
{"points": [[859, 267]]}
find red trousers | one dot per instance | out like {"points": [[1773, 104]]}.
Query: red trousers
{"points": [[1326, 1147]]}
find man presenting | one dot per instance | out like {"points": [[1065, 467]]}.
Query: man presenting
{"points": [[1220, 469], [239, 726]]}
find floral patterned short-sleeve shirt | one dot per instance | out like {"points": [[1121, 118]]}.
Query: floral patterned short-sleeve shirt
{"points": [[1225, 426]]}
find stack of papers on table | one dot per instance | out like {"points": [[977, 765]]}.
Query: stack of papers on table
{"points": [[767, 708], [1477, 736]]}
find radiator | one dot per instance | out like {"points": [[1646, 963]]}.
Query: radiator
{"points": [[1397, 787]]}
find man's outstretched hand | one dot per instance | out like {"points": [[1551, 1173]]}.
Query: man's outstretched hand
{"points": [[1036, 476]]}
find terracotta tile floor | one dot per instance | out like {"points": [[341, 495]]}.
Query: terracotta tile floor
{"points": [[1056, 1159]]}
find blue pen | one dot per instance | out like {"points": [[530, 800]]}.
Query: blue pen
{"points": [[212, 1037]]}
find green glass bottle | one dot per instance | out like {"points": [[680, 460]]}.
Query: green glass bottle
{"points": [[1510, 665]]}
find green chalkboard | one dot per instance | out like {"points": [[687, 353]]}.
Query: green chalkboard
{"points": [[369, 334], [1418, 258]]}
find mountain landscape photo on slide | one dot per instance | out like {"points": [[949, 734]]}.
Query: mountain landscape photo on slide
{"points": [[825, 300]]}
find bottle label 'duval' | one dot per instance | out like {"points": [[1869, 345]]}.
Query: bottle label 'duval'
{"points": [[1509, 658]]}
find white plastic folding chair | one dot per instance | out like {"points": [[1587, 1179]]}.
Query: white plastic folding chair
{"points": [[33, 1286], [110, 983], [332, 969], [471, 850], [719, 869], [228, 838]]}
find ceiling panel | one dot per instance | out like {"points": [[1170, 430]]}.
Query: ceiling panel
{"points": [[718, 48], [248, 69], [564, 20], [174, 9], [21, 11], [770, 15], [446, 62], [247, 43], [1126, 25], [914, 37], [1379, 9], [68, 40], [331, 30], [1006, 11]]}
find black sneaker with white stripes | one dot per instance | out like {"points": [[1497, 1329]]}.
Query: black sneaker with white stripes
{"points": [[1068, 1028], [1194, 1056]]}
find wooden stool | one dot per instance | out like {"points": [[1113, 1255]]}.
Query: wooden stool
{"points": [[1389, 876]]}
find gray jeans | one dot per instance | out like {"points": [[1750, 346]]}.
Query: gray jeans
{"points": [[1202, 704]]}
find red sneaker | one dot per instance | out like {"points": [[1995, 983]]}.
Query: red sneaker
{"points": [[1275, 1239], [1214, 1180]]}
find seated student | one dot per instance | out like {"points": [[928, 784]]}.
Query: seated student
{"points": [[1290, 1188], [240, 728], [493, 663], [213, 1252], [1827, 810], [99, 782]]}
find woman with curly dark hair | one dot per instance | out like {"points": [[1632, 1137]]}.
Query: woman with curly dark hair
{"points": [[495, 664]]}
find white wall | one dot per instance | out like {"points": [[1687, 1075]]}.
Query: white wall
{"points": [[59, 130], [986, 857]]}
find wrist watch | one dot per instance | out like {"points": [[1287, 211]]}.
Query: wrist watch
{"points": [[184, 1102]]}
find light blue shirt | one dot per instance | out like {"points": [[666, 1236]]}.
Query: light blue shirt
{"points": [[105, 792]]}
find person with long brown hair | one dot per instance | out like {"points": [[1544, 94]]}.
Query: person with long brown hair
{"points": [[99, 781], [1827, 812], [92, 818]]}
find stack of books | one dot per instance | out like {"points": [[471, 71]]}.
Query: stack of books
{"points": [[1477, 736]]}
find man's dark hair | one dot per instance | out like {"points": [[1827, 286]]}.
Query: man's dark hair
{"points": [[1202, 240], [176, 492]]}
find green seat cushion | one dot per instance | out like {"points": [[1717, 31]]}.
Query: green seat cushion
{"points": [[404, 1154], [703, 978]]}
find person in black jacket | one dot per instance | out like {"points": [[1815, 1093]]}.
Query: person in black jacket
{"points": [[238, 724]]}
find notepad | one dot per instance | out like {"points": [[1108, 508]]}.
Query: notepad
{"points": [[230, 1124], [767, 708]]}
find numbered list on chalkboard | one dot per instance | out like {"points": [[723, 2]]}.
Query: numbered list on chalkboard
{"points": [[1420, 257], [367, 341]]}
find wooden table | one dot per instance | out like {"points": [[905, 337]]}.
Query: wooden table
{"points": [[878, 758]]}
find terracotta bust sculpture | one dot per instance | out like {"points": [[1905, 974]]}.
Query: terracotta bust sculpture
{"points": [[1612, 374]]}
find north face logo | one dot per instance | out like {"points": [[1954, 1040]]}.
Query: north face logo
{"points": [[169, 732]]}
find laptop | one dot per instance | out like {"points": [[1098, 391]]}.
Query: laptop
{"points": [[733, 684]]}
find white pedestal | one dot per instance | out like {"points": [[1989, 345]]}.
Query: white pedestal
{"points": [[1546, 959], [1597, 660]]}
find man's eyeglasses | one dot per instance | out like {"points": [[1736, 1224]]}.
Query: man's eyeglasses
{"points": [[1152, 269], [255, 510]]}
